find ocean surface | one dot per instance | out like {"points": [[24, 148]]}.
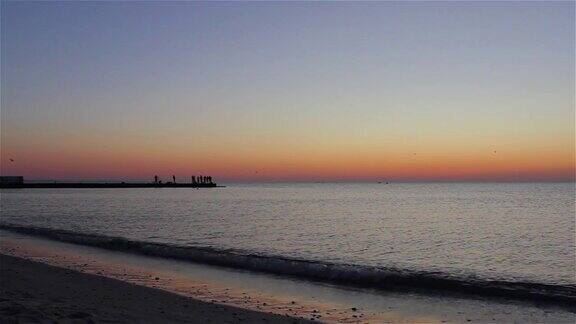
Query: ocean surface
{"points": [[515, 236]]}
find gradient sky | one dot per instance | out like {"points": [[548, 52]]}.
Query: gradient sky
{"points": [[262, 91]]}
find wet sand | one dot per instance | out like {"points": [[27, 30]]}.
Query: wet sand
{"points": [[66, 286], [36, 292]]}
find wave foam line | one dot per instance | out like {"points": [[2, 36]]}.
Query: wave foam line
{"points": [[344, 274]]}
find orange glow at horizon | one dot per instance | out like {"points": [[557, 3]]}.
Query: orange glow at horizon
{"points": [[287, 92], [287, 163]]}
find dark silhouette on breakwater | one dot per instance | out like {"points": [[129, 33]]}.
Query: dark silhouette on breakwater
{"points": [[197, 182], [202, 180]]}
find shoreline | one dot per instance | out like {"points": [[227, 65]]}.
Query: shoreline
{"points": [[33, 291], [387, 280], [299, 300]]}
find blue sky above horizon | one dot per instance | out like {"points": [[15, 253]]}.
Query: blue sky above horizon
{"points": [[290, 90]]}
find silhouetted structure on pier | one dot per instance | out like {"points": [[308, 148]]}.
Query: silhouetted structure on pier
{"points": [[11, 180], [202, 180]]}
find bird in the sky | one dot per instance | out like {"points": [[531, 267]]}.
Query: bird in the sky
{"points": [[11, 160]]}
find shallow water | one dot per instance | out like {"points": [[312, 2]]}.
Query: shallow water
{"points": [[278, 294], [517, 232]]}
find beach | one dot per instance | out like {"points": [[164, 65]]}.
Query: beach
{"points": [[35, 292], [44, 279]]}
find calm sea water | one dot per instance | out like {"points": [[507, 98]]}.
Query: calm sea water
{"points": [[522, 232]]}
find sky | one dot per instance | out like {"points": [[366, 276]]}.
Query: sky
{"points": [[289, 91]]}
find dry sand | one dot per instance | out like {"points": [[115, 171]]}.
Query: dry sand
{"points": [[36, 292]]}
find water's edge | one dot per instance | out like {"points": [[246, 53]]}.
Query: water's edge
{"points": [[344, 274]]}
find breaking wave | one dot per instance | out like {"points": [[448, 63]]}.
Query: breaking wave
{"points": [[382, 278]]}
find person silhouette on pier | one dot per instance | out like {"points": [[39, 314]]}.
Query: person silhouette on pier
{"points": [[155, 179], [193, 180], [174, 178]]}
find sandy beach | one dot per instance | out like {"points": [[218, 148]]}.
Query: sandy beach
{"points": [[36, 292], [48, 280]]}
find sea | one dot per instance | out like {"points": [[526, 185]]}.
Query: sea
{"points": [[492, 238]]}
